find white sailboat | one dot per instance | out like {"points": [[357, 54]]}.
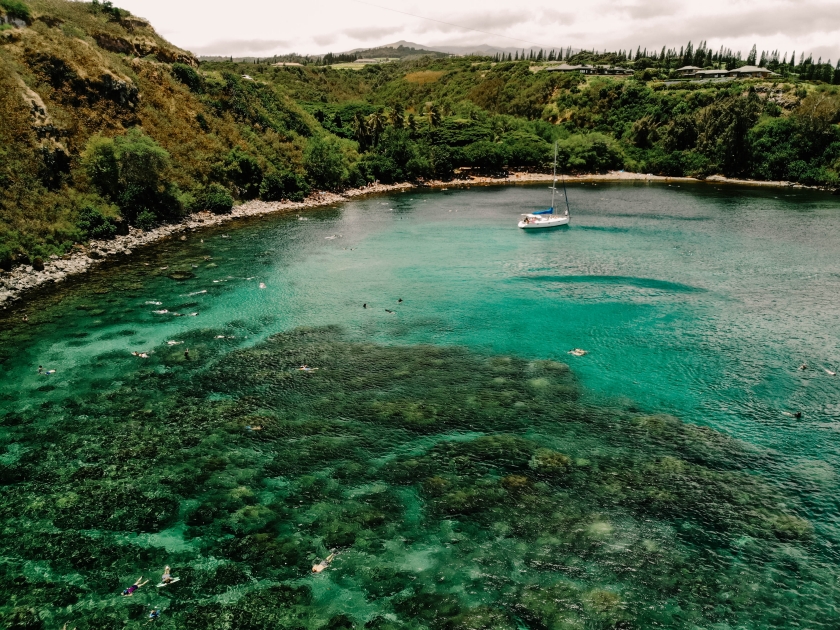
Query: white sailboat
{"points": [[547, 218]]}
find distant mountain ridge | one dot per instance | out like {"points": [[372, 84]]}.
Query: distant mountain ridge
{"points": [[475, 49]]}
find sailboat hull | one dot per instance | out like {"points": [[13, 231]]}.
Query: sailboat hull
{"points": [[544, 223]]}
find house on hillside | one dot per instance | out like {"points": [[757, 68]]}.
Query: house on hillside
{"points": [[564, 67], [613, 70], [711, 74], [584, 69], [687, 71], [751, 71]]}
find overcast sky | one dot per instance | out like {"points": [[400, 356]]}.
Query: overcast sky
{"points": [[263, 27]]}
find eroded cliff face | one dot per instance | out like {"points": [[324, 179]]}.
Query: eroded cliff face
{"points": [[77, 70]]}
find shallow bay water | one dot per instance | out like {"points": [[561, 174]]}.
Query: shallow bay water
{"points": [[467, 469]]}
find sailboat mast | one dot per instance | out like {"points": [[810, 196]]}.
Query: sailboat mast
{"points": [[554, 183]]}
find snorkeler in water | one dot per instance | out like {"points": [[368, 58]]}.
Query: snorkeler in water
{"points": [[317, 568], [166, 578], [130, 590]]}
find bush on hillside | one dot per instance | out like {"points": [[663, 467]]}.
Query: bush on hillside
{"points": [[326, 165], [592, 152], [243, 171], [188, 76], [279, 185], [95, 221], [132, 171], [215, 198]]}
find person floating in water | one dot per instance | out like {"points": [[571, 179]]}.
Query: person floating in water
{"points": [[130, 590], [40, 369], [255, 427], [804, 366], [153, 616], [306, 368], [797, 414], [187, 353], [167, 578], [364, 305], [388, 310], [317, 568]]}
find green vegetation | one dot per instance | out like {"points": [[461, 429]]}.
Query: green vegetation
{"points": [[138, 124]]}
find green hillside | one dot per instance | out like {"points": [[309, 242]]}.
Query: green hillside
{"points": [[105, 124]]}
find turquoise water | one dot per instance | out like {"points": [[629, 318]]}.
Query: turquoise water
{"points": [[467, 469]]}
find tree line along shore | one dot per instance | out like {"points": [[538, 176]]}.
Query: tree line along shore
{"points": [[105, 126]]}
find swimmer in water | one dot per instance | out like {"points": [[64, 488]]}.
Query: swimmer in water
{"points": [[256, 427], [364, 305], [187, 353], [387, 310], [399, 301], [130, 590], [166, 578], [317, 568], [154, 615], [797, 414], [830, 372], [804, 366], [40, 369], [50, 372]]}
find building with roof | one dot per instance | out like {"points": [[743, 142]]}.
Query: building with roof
{"points": [[710, 74], [751, 71], [585, 69], [686, 71]]}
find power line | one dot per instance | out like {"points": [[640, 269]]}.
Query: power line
{"points": [[466, 28]]}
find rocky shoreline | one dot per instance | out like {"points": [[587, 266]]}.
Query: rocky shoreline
{"points": [[15, 284]]}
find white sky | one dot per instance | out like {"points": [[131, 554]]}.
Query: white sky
{"points": [[264, 27]]}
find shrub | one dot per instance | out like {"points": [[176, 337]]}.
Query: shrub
{"points": [[94, 223], [215, 198], [17, 9], [132, 171], [325, 162], [589, 152], [278, 185], [244, 172], [188, 76], [146, 220]]}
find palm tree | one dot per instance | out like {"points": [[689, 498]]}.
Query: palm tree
{"points": [[432, 115], [376, 125], [360, 131], [396, 117]]}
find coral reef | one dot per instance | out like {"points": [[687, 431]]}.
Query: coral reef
{"points": [[455, 492]]}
